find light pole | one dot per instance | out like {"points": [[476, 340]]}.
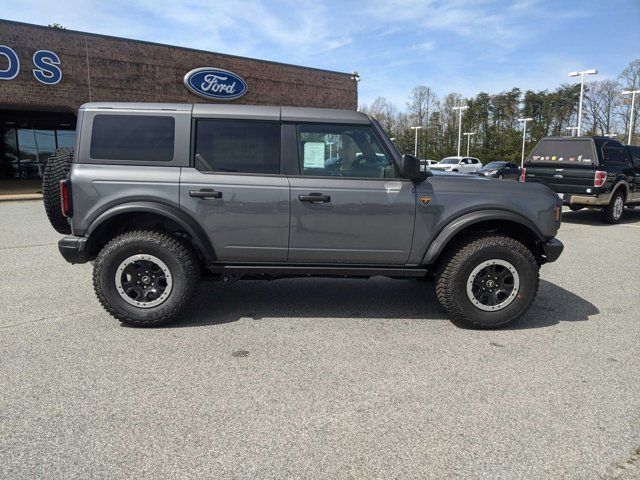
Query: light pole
{"points": [[331, 144], [524, 136], [633, 104], [416, 129], [571, 130], [592, 71], [460, 109], [468, 134]]}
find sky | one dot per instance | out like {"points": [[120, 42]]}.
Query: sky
{"points": [[461, 46]]}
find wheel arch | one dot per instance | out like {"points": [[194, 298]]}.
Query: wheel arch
{"points": [[621, 184], [118, 218], [500, 221]]}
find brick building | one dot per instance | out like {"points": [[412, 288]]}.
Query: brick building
{"points": [[47, 73]]}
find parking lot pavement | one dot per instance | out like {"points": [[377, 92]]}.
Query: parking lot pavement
{"points": [[320, 378]]}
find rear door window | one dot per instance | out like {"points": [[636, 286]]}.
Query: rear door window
{"points": [[575, 152], [133, 137], [237, 146]]}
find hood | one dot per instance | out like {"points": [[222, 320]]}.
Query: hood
{"points": [[441, 166]]}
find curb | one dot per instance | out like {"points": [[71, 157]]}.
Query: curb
{"points": [[20, 196]]}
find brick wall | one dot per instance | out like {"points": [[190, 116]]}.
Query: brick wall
{"points": [[130, 71]]}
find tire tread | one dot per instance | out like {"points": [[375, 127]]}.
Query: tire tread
{"points": [[184, 255], [57, 169], [454, 261]]}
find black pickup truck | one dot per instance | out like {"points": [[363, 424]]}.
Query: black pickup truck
{"points": [[591, 172]]}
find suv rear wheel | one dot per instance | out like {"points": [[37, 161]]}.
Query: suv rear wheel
{"points": [[488, 282], [612, 213], [146, 278]]}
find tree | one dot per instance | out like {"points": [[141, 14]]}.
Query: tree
{"points": [[494, 117], [382, 110], [630, 80], [601, 102], [422, 101]]}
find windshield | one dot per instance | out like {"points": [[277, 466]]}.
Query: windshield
{"points": [[450, 161], [577, 151], [494, 165]]}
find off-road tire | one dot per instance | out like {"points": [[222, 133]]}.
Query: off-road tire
{"points": [[609, 212], [56, 169], [455, 270], [178, 256]]}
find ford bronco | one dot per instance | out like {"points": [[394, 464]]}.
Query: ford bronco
{"points": [[158, 196]]}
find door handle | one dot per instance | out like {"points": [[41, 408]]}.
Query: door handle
{"points": [[205, 193], [315, 198]]}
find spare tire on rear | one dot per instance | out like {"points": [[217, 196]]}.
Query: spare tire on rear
{"points": [[56, 169]]}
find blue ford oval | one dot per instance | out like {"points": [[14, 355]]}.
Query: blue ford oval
{"points": [[215, 83]]}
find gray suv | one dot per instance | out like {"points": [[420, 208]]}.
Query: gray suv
{"points": [[159, 196]]}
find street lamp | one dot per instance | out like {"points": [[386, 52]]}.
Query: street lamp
{"points": [[524, 136], [633, 103], [460, 109], [571, 130], [468, 134], [592, 71], [416, 129]]}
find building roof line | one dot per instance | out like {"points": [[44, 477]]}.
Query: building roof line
{"points": [[156, 44]]}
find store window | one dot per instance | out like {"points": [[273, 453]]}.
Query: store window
{"points": [[25, 151]]}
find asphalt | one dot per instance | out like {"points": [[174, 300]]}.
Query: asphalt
{"points": [[320, 378]]}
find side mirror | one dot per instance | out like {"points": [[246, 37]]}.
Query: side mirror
{"points": [[410, 167]]}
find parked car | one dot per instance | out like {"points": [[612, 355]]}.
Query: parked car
{"points": [[502, 170], [458, 164], [158, 195], [425, 164], [593, 172]]}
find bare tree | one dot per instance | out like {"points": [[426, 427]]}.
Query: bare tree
{"points": [[422, 102], [601, 102], [382, 110], [629, 80]]}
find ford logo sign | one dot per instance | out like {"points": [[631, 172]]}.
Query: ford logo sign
{"points": [[215, 83]]}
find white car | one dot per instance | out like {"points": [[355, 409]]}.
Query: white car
{"points": [[458, 164], [425, 163]]}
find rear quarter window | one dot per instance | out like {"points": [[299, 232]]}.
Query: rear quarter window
{"points": [[614, 154], [133, 137], [635, 155], [572, 152]]}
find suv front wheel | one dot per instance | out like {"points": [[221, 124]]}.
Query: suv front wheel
{"points": [[487, 282], [146, 278]]}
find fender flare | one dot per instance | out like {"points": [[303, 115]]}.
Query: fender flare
{"points": [[460, 223], [621, 182], [195, 231]]}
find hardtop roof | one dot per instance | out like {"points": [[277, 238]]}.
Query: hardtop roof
{"points": [[254, 112]]}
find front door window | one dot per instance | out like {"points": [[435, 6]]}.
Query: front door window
{"points": [[342, 151]]}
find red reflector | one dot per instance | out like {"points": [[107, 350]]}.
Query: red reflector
{"points": [[523, 175], [599, 178], [65, 198]]}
